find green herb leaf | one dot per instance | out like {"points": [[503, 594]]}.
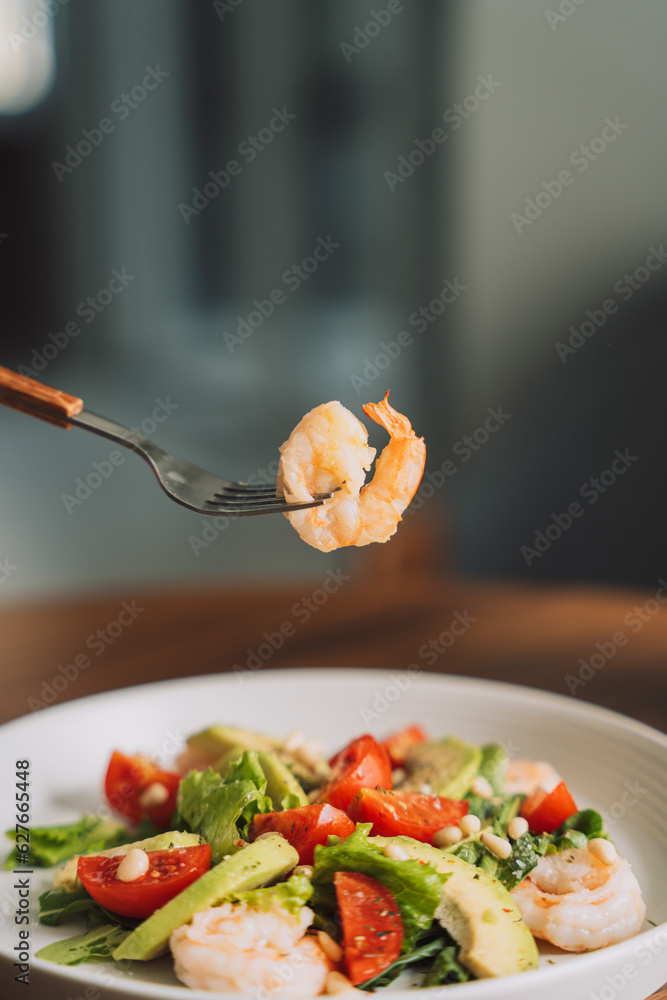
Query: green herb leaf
{"points": [[51, 844], [414, 957], [58, 905], [95, 945], [493, 766], [446, 969]]}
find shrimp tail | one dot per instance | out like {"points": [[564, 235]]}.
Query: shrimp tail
{"points": [[395, 423]]}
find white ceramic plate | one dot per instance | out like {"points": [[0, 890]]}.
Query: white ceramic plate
{"points": [[611, 763]]}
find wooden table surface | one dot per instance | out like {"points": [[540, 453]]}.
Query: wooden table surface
{"points": [[381, 615]]}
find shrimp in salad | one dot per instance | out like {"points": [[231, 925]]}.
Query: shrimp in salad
{"points": [[578, 902], [239, 949], [328, 450], [523, 777]]}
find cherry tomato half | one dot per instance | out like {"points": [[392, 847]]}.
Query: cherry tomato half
{"points": [[372, 928], [304, 827], [168, 874], [397, 744], [545, 811], [129, 778], [406, 814], [363, 763]]}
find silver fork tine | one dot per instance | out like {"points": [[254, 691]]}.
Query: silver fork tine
{"points": [[270, 502], [182, 481]]}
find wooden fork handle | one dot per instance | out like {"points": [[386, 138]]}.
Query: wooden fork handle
{"points": [[29, 396]]}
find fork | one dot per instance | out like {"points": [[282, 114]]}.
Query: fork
{"points": [[184, 482]]}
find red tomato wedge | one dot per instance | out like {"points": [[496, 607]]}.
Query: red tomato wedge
{"points": [[129, 778], [363, 763], [406, 814], [169, 873], [397, 744], [372, 928], [304, 827], [545, 811]]}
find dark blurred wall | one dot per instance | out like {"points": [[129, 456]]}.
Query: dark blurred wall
{"points": [[421, 143]]}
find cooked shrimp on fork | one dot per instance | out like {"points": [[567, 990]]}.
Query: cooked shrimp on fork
{"points": [[328, 450]]}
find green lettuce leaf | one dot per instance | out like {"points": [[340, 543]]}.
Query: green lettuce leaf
{"points": [[95, 945], [416, 888], [210, 807], [51, 844], [222, 809], [290, 895]]}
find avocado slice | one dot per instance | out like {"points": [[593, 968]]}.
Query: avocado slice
{"points": [[216, 741], [257, 864], [447, 766], [66, 876], [279, 779], [478, 912]]}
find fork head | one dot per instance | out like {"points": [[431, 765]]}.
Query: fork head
{"points": [[205, 493]]}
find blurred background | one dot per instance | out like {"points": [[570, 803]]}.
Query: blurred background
{"points": [[484, 185]]}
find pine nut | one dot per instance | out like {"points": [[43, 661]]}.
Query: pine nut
{"points": [[517, 827], [306, 870], [469, 824], [330, 947], [497, 845], [134, 865], [154, 795], [603, 850], [447, 836], [481, 787]]}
